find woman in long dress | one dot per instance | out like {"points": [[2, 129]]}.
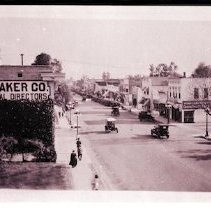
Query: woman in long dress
{"points": [[73, 159]]}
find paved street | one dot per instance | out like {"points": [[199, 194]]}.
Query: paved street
{"points": [[133, 160]]}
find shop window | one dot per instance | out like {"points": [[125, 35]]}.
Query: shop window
{"points": [[189, 116], [206, 93], [196, 93]]}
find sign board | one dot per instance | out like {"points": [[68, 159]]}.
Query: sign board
{"points": [[18, 90], [196, 104]]}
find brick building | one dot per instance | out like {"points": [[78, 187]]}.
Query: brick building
{"points": [[10, 75]]}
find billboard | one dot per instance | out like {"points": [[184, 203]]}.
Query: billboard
{"points": [[200, 104], [18, 90]]}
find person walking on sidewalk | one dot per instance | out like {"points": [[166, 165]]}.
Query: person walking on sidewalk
{"points": [[78, 142], [79, 151], [95, 183], [73, 159]]}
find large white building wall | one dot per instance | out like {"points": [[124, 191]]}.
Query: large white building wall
{"points": [[188, 85]]}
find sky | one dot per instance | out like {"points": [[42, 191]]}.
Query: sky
{"points": [[89, 40]]}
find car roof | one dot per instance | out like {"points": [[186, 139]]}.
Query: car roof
{"points": [[163, 125], [110, 119]]}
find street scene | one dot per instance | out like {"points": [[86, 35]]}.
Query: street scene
{"points": [[122, 157], [104, 99]]}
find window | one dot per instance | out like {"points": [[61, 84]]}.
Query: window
{"points": [[20, 74], [206, 93], [196, 93], [179, 94]]}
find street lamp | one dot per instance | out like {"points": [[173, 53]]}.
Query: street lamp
{"points": [[70, 107], [168, 106], [77, 113], [207, 110]]}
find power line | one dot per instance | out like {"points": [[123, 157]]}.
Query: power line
{"points": [[97, 64]]}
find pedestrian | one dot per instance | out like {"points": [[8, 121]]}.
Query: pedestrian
{"points": [[95, 183], [59, 114], [73, 159], [78, 142], [79, 151]]}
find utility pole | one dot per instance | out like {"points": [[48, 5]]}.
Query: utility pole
{"points": [[0, 57], [207, 111], [22, 58]]}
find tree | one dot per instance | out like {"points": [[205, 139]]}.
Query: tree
{"points": [[163, 70], [7, 146], [56, 65], [202, 71], [62, 95], [45, 59], [135, 77], [42, 59], [106, 75]]}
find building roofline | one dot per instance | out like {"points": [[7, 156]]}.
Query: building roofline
{"points": [[25, 66]]}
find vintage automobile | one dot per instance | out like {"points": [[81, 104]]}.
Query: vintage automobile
{"points": [[160, 131], [146, 116], [110, 125], [115, 111], [84, 98]]}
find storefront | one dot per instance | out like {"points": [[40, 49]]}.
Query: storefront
{"points": [[145, 103], [189, 116], [176, 112], [189, 108]]}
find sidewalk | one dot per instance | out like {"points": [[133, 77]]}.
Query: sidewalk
{"points": [[82, 175], [65, 142]]}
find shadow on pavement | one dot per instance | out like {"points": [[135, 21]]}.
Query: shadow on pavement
{"points": [[94, 112], [200, 157], [92, 132], [141, 137], [206, 143], [197, 154]]}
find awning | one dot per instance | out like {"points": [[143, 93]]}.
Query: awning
{"points": [[156, 101], [146, 103]]}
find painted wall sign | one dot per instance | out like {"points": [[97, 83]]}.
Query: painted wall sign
{"points": [[196, 104], [31, 90]]}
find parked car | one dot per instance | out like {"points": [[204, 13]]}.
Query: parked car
{"points": [[146, 116], [115, 111], [160, 131]]}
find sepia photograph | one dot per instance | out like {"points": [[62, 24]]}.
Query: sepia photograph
{"points": [[105, 103]]}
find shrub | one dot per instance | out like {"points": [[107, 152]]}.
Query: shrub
{"points": [[7, 146], [26, 119], [45, 154]]}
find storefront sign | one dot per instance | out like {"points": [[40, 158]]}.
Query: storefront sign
{"points": [[196, 104], [17, 90]]}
